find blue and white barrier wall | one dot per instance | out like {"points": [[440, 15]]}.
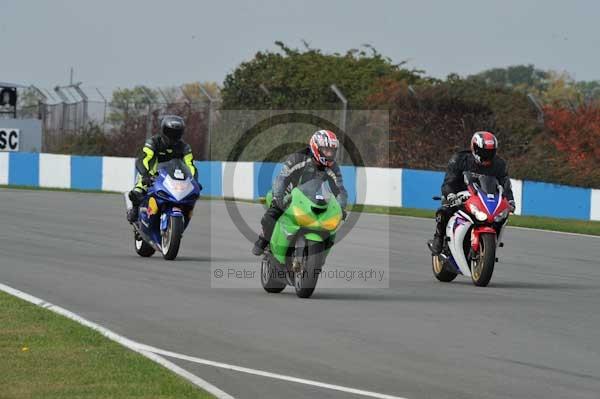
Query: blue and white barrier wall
{"points": [[251, 180]]}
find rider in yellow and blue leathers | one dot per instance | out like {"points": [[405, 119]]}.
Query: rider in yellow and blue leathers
{"points": [[161, 147]]}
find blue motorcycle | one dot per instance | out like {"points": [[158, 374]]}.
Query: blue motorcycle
{"points": [[165, 212]]}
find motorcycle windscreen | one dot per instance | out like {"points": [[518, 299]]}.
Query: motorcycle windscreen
{"points": [[487, 184], [317, 190], [178, 178], [175, 168]]}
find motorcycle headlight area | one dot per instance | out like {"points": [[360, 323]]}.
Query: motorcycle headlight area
{"points": [[332, 222], [178, 188], [302, 218], [501, 216], [479, 215]]}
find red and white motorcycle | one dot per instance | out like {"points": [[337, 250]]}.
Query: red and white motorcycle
{"points": [[474, 232]]}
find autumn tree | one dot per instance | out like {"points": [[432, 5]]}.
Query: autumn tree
{"points": [[576, 135]]}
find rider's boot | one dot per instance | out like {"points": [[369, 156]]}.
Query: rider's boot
{"points": [[259, 246], [133, 214], [136, 196], [437, 245]]}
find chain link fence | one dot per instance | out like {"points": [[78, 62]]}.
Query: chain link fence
{"points": [[421, 130], [88, 126]]}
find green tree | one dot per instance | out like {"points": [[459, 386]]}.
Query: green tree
{"points": [[302, 78], [131, 103], [28, 103], [193, 92], [590, 89], [519, 77]]}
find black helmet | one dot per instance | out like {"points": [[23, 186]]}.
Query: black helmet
{"points": [[172, 128], [483, 147]]}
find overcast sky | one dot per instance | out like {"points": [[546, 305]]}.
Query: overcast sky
{"points": [[120, 43]]}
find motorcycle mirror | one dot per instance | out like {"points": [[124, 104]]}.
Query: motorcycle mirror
{"points": [[436, 198]]}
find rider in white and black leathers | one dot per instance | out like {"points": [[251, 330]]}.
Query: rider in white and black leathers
{"points": [[315, 161], [480, 159]]}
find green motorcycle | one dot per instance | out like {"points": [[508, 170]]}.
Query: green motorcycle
{"points": [[302, 238]]}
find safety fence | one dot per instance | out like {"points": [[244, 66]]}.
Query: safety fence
{"points": [[251, 180]]}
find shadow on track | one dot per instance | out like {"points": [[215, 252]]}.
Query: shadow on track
{"points": [[539, 286], [524, 285]]}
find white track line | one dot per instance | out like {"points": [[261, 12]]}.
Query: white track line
{"points": [[134, 346], [153, 354], [269, 374]]}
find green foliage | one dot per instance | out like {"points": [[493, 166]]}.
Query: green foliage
{"points": [[434, 120], [590, 90], [131, 103], [302, 78], [520, 77], [549, 86], [91, 141], [28, 105]]}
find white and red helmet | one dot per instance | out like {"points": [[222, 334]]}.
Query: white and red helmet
{"points": [[483, 147], [323, 146]]}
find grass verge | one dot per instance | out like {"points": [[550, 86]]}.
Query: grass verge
{"points": [[533, 222], [74, 190], [45, 355]]}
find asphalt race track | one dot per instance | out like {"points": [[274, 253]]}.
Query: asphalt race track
{"points": [[533, 333]]}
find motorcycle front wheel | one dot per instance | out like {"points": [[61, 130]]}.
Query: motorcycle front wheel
{"points": [[482, 268], [305, 280], [171, 238]]}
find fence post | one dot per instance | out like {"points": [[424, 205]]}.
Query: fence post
{"points": [[84, 97], [536, 104], [149, 121], [63, 100], [211, 100], [343, 117], [42, 112], [149, 115], [105, 108]]}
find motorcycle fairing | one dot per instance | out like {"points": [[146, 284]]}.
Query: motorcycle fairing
{"points": [[457, 229]]}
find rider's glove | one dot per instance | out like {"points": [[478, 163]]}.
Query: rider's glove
{"points": [[278, 202], [450, 198], [147, 180], [344, 214], [512, 206]]}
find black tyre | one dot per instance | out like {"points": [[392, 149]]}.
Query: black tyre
{"points": [[441, 270], [171, 238], [142, 248], [483, 267], [305, 281], [267, 278]]}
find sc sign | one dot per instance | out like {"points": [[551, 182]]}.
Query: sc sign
{"points": [[9, 139]]}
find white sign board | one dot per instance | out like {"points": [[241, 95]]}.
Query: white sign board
{"points": [[9, 139]]}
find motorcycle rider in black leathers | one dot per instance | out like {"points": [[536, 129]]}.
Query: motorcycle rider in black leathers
{"points": [[480, 159], [317, 160], [162, 147]]}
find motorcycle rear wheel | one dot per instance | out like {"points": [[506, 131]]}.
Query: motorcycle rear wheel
{"points": [[142, 248], [440, 269], [267, 279]]}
